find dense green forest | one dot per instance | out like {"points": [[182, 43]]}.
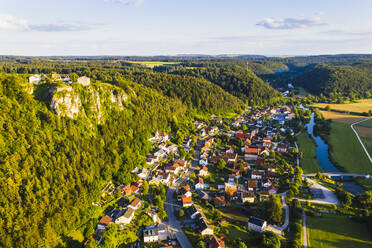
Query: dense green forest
{"points": [[237, 80], [193, 91], [338, 83], [51, 168]]}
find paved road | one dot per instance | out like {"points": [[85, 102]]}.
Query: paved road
{"points": [[304, 231], [334, 174], [298, 160], [170, 203], [173, 223]]}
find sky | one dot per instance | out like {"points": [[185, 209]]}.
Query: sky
{"points": [[171, 27]]}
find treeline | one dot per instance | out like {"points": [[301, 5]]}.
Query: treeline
{"points": [[52, 169], [192, 91], [337, 84]]}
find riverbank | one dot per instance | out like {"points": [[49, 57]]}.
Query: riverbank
{"points": [[307, 146], [324, 151]]}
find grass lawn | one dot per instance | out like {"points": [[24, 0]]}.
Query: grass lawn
{"points": [[347, 151], [361, 106], [307, 146], [337, 231], [235, 213], [237, 232]]}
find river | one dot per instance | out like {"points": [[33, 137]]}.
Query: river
{"points": [[324, 161]]}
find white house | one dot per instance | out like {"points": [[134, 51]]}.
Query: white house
{"points": [[203, 171], [199, 184], [126, 218], [155, 234], [257, 224]]}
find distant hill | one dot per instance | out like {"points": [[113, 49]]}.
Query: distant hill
{"points": [[237, 80], [351, 81]]}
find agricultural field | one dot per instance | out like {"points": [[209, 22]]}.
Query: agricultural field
{"points": [[346, 150], [361, 106], [152, 64], [307, 146], [364, 130], [337, 231], [342, 118], [366, 123]]}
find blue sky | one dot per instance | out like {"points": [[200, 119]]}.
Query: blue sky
{"points": [[170, 27]]}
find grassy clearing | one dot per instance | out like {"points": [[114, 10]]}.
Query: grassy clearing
{"points": [[152, 64], [307, 146], [342, 118], [337, 231], [346, 150], [237, 232], [234, 213], [361, 106]]}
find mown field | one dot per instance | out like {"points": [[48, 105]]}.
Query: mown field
{"points": [[361, 106], [307, 146], [337, 231], [152, 64], [342, 118], [346, 150]]}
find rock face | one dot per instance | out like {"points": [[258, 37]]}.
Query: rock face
{"points": [[93, 101], [66, 102]]}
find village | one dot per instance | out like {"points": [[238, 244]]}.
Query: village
{"points": [[197, 194]]}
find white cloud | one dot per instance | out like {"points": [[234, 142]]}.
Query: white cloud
{"points": [[291, 23], [9, 22], [126, 2]]}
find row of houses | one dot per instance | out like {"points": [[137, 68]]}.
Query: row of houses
{"points": [[120, 215]]}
